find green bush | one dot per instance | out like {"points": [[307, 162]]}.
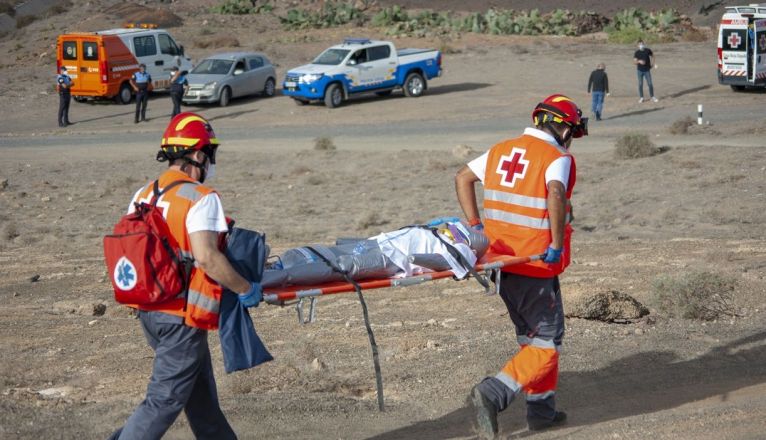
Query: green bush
{"points": [[332, 14], [241, 7], [697, 295]]}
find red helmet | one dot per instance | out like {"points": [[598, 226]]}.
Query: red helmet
{"points": [[187, 132], [559, 108]]}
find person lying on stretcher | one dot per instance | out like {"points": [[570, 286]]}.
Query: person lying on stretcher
{"points": [[448, 244]]}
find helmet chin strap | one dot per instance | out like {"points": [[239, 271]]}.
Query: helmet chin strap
{"points": [[200, 166], [552, 130]]}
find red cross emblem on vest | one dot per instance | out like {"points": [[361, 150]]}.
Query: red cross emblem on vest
{"points": [[512, 167], [734, 40]]}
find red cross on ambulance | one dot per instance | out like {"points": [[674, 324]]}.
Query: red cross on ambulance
{"points": [[734, 40], [512, 167]]}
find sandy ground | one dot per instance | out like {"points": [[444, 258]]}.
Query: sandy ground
{"points": [[698, 206]]}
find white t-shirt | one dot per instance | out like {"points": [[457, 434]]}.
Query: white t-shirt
{"points": [[557, 170], [205, 215]]}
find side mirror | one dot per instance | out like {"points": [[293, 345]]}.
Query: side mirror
{"points": [[238, 72], [351, 62], [181, 49]]}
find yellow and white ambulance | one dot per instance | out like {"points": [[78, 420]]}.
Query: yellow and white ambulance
{"points": [[742, 47]]}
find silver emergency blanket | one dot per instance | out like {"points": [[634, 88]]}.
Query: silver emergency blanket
{"points": [[364, 259]]}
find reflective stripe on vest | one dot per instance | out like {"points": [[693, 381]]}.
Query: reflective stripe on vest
{"points": [[516, 199], [520, 220], [202, 301]]}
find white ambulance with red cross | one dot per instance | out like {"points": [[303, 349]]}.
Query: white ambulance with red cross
{"points": [[742, 47]]}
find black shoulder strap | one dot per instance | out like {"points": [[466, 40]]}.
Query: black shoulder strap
{"points": [[156, 188]]}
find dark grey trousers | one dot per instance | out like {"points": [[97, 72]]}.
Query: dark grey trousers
{"points": [[182, 379]]}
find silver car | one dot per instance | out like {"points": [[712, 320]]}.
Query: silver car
{"points": [[230, 75]]}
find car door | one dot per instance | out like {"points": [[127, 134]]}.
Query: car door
{"points": [[381, 66], [734, 47], [258, 73], [239, 78], [170, 54], [759, 54], [146, 51]]}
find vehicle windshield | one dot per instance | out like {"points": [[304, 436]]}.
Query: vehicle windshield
{"points": [[331, 57], [213, 67]]}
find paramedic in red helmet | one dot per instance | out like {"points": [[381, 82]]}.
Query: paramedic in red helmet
{"points": [[182, 374], [528, 183]]}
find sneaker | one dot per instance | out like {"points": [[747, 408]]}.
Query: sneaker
{"points": [[559, 419], [486, 415], [654, 99], [640, 100]]}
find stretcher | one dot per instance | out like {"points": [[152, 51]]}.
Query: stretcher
{"points": [[489, 264], [298, 295]]}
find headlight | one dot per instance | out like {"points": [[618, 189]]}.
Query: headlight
{"points": [[311, 77], [210, 85]]}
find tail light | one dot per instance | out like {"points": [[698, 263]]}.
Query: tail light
{"points": [[720, 57], [439, 60], [103, 68]]}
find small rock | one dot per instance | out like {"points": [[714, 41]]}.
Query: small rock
{"points": [[56, 392], [92, 323], [45, 199], [317, 365], [99, 309], [431, 344], [651, 320], [15, 294], [431, 322], [397, 324], [34, 278], [638, 331], [3, 183], [611, 306]]}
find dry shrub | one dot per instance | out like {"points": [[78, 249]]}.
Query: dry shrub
{"points": [[695, 35], [324, 143], [696, 295], [634, 146], [217, 42], [681, 126], [369, 219], [25, 21], [314, 179], [134, 13]]}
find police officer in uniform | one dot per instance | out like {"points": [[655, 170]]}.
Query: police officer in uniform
{"points": [[64, 86], [141, 82], [178, 85]]}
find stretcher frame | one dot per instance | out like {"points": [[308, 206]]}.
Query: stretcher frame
{"points": [[489, 264]]}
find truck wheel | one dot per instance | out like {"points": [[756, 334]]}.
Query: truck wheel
{"points": [[333, 96], [738, 88], [300, 102], [270, 88], [414, 85], [125, 94], [225, 97]]}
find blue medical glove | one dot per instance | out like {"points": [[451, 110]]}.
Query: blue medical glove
{"points": [[252, 297], [478, 227], [552, 255]]}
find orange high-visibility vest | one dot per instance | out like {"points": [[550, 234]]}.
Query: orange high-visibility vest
{"points": [[200, 306], [516, 203]]}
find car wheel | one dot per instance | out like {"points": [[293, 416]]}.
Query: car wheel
{"points": [[333, 96], [300, 102], [79, 98], [125, 94], [270, 88], [384, 93], [738, 88], [225, 97], [414, 85]]}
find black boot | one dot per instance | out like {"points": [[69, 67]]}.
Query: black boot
{"points": [[559, 418], [485, 415]]}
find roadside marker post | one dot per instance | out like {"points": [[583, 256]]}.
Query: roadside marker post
{"points": [[699, 114]]}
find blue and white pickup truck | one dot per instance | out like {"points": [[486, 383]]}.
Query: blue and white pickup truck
{"points": [[362, 66]]}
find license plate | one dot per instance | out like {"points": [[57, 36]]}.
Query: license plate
{"points": [[291, 84]]}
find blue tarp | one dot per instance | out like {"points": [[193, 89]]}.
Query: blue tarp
{"points": [[242, 348]]}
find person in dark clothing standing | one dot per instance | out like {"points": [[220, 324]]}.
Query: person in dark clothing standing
{"points": [[644, 61], [64, 87], [598, 87], [141, 82], [178, 85]]}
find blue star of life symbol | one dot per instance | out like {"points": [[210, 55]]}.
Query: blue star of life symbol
{"points": [[125, 276]]}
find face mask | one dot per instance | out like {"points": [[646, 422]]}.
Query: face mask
{"points": [[641, 47]]}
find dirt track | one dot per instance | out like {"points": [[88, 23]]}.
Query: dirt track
{"points": [[696, 207]]}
